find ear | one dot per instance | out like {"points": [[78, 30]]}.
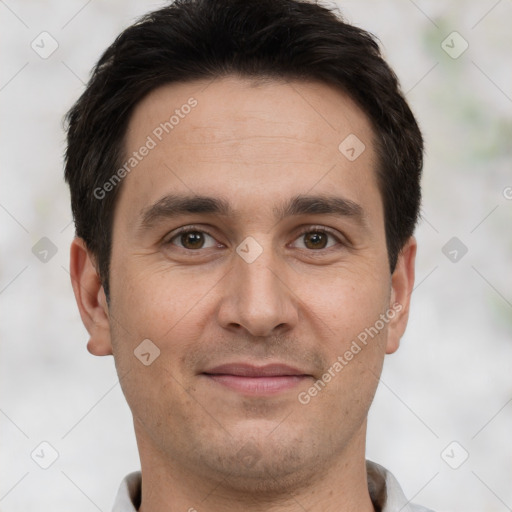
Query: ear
{"points": [[402, 283], [90, 297]]}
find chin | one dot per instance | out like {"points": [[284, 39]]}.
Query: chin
{"points": [[264, 462]]}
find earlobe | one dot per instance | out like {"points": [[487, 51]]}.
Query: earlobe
{"points": [[90, 298], [402, 283]]}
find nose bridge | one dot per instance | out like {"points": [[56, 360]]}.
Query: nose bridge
{"points": [[257, 298], [259, 279]]}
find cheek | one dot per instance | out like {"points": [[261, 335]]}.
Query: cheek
{"points": [[354, 339], [152, 302], [345, 301], [348, 311], [164, 310], [167, 307]]}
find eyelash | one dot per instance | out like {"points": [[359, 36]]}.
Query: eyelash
{"points": [[304, 231]]}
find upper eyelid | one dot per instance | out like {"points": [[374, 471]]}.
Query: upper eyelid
{"points": [[317, 227]]}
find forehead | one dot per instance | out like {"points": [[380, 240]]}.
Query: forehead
{"points": [[307, 111], [270, 137]]}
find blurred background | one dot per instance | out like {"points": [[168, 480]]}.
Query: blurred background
{"points": [[442, 417]]}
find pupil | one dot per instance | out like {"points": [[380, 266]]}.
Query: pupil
{"points": [[316, 239], [193, 240]]}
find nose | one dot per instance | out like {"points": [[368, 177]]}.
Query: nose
{"points": [[257, 298]]}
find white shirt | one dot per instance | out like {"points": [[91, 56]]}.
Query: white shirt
{"points": [[385, 492]]}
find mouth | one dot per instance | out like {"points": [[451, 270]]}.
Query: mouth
{"points": [[257, 380]]}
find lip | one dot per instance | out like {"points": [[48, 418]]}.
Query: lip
{"points": [[257, 380], [249, 370]]}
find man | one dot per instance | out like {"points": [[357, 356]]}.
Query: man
{"points": [[245, 184]]}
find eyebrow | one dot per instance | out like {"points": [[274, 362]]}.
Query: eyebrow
{"points": [[171, 206], [321, 205]]}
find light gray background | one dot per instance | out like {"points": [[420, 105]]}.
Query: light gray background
{"points": [[451, 380]]}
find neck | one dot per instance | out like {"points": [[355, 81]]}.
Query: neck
{"points": [[337, 486]]}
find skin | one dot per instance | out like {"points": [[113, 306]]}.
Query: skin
{"points": [[255, 145]]}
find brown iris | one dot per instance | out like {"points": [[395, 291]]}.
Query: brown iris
{"points": [[192, 240], [315, 240]]}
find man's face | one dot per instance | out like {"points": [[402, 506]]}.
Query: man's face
{"points": [[274, 278]]}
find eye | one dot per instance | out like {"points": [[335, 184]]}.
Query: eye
{"points": [[192, 239], [317, 238]]}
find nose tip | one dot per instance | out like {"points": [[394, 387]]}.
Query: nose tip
{"points": [[256, 299]]}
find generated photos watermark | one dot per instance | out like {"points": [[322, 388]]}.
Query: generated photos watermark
{"points": [[152, 141], [355, 348]]}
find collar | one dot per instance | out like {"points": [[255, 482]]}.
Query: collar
{"points": [[385, 492]]}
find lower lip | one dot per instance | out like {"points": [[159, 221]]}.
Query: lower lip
{"points": [[258, 385]]}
